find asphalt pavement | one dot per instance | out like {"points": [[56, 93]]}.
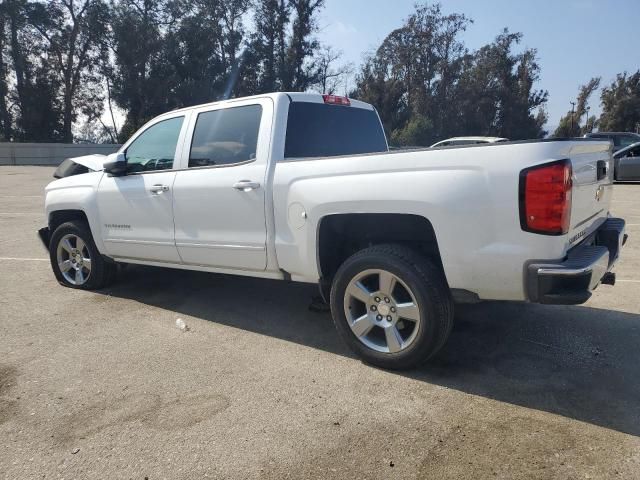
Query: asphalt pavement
{"points": [[103, 384]]}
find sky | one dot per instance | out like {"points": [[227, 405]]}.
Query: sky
{"points": [[575, 39]]}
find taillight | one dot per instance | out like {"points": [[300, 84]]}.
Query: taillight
{"points": [[545, 198], [336, 100]]}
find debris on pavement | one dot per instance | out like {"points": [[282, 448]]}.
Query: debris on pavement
{"points": [[182, 326]]}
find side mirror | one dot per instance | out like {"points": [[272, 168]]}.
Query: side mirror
{"points": [[116, 164]]}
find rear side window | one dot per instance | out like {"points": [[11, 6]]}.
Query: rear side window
{"points": [[320, 130], [227, 136]]}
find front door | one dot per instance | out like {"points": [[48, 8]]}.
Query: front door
{"points": [[219, 194], [136, 210]]}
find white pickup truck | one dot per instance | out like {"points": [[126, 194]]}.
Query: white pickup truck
{"points": [[302, 187]]}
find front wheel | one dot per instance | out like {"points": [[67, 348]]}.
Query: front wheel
{"points": [[392, 306], [76, 261]]}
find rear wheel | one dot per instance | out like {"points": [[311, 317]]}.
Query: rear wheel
{"points": [[75, 259], [392, 306]]}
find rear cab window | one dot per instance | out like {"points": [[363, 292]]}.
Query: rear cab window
{"points": [[325, 130]]}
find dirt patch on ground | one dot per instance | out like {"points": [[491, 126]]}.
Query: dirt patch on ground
{"points": [[516, 446], [149, 410], [8, 404]]}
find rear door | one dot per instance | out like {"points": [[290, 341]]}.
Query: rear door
{"points": [[219, 193]]}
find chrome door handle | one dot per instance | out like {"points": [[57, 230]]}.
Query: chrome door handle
{"points": [[246, 185], [158, 189]]}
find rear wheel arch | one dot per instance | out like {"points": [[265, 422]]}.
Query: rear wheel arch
{"points": [[341, 235]]}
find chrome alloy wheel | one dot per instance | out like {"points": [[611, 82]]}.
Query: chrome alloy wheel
{"points": [[381, 311], [74, 259]]}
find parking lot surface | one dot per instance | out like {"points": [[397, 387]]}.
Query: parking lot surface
{"points": [[103, 384]]}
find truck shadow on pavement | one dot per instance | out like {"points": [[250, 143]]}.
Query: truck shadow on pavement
{"points": [[574, 361]]}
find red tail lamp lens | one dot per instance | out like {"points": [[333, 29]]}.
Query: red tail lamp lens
{"points": [[545, 198]]}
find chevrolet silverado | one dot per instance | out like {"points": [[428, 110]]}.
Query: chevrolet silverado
{"points": [[303, 187]]}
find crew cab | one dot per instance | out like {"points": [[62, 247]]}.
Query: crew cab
{"points": [[302, 187]]}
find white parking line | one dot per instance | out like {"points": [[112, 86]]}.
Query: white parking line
{"points": [[21, 213], [628, 281], [16, 259], [21, 196]]}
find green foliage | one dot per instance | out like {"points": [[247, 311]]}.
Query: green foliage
{"points": [[427, 86], [569, 125], [417, 131], [70, 58], [32, 108], [63, 62], [621, 104]]}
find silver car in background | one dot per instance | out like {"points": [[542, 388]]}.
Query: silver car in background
{"points": [[620, 140], [627, 163]]}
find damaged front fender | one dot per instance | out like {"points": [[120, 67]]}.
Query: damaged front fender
{"points": [[78, 165]]}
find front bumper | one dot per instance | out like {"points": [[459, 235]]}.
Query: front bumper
{"points": [[572, 280]]}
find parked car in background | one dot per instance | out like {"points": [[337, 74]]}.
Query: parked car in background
{"points": [[620, 139], [626, 163], [458, 141]]}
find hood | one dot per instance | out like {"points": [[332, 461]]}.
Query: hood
{"points": [[78, 165], [93, 162]]}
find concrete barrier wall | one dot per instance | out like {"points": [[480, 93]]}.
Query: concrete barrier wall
{"points": [[48, 153]]}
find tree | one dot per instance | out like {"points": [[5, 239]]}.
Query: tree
{"points": [[387, 93], [331, 76], [6, 120], [265, 59], [411, 76], [212, 66], [74, 33], [427, 86], [496, 92], [140, 76], [281, 54], [32, 101], [569, 125], [621, 104], [300, 71]]}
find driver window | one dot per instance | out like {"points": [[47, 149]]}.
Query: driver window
{"points": [[635, 152], [155, 148]]}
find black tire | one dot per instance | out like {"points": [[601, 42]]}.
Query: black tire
{"points": [[428, 285], [102, 271]]}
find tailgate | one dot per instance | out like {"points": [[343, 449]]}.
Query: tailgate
{"points": [[592, 167]]}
